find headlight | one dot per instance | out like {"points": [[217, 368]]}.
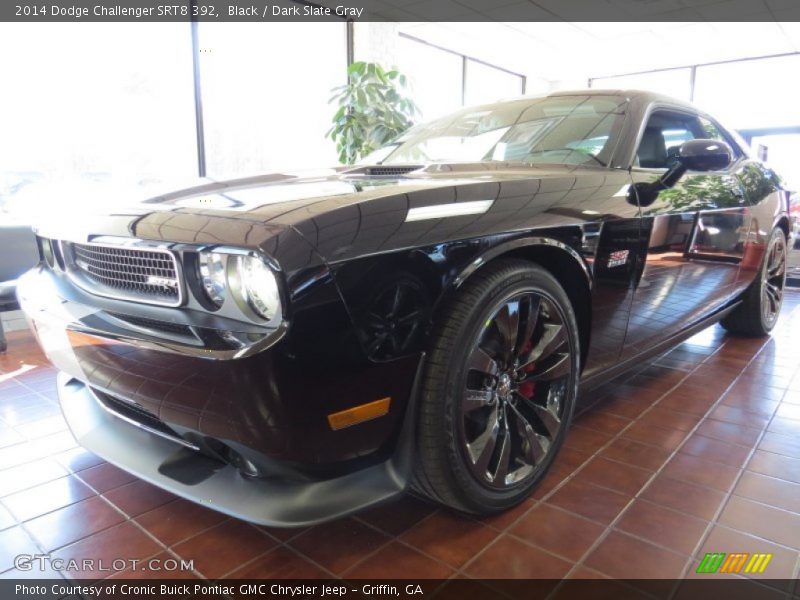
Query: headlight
{"points": [[212, 276], [259, 288]]}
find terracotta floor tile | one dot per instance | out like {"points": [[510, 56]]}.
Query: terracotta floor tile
{"points": [[729, 432], [509, 558], [13, 542], [398, 516], [691, 469], [571, 458], [73, 522], [78, 459], [603, 421], [503, 520], [780, 444], [585, 440], [138, 497], [614, 475], [397, 560], [449, 537], [42, 427], [619, 555], [280, 563], [595, 503], [622, 408], [775, 465], [776, 525], [178, 520], [105, 477], [745, 401], [224, 547], [769, 490], [738, 416], [283, 534], [687, 498], [783, 426], [47, 497], [636, 454], [681, 401], [554, 478], [6, 518], [338, 545], [715, 451], [668, 439], [557, 531], [122, 542], [29, 475], [663, 526], [670, 419]]}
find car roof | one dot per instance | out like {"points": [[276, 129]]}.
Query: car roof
{"points": [[642, 96]]}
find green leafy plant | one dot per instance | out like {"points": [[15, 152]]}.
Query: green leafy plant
{"points": [[373, 110]]}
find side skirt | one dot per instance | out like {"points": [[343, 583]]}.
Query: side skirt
{"points": [[606, 376]]}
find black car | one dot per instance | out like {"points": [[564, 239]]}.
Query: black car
{"points": [[290, 349]]}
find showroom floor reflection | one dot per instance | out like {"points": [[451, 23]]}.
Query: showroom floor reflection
{"points": [[697, 452]]}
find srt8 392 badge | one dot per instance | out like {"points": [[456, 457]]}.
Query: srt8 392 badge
{"points": [[617, 258]]}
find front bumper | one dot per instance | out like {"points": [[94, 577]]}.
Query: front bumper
{"points": [[264, 414], [196, 477]]}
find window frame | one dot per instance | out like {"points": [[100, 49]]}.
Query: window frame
{"points": [[738, 152]]}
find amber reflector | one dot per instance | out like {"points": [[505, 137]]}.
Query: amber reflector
{"points": [[359, 414]]}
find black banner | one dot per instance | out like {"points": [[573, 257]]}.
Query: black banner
{"points": [[399, 10], [453, 589]]}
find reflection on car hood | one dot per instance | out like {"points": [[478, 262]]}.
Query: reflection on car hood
{"points": [[290, 198]]}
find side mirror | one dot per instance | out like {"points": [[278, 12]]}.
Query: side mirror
{"points": [[694, 155], [705, 155]]}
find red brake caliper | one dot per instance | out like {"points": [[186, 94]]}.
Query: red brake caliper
{"points": [[527, 388]]}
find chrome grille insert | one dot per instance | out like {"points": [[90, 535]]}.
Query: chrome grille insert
{"points": [[139, 273]]}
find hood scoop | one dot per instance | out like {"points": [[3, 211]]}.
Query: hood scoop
{"points": [[382, 171]]}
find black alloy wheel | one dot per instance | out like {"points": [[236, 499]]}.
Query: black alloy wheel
{"points": [[773, 280], [518, 373], [499, 388], [760, 306]]}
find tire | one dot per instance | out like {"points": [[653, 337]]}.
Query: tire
{"points": [[761, 303], [462, 409]]}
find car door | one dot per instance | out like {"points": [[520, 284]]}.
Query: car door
{"points": [[692, 234]]}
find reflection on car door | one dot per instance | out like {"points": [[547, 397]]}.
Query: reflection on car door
{"points": [[692, 235]]}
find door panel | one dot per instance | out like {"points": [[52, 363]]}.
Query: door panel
{"points": [[692, 238]]}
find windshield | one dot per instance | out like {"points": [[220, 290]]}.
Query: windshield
{"points": [[571, 130]]}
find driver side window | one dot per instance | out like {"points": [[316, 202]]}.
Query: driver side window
{"points": [[663, 136]]}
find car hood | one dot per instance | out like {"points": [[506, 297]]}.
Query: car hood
{"points": [[249, 211]]}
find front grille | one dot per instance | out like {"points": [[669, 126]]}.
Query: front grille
{"points": [[175, 328], [142, 274]]}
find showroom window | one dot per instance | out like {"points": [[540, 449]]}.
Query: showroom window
{"points": [[435, 76], [484, 84], [768, 100], [265, 90], [443, 80], [672, 82], [130, 115]]}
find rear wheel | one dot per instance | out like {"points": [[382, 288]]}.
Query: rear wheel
{"points": [[499, 389], [761, 304]]}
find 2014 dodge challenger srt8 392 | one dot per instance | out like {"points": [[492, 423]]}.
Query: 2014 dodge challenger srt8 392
{"points": [[290, 349]]}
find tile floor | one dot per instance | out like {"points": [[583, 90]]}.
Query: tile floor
{"points": [[697, 452]]}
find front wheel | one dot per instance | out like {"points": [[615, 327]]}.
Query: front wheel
{"points": [[761, 304], [499, 389]]}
